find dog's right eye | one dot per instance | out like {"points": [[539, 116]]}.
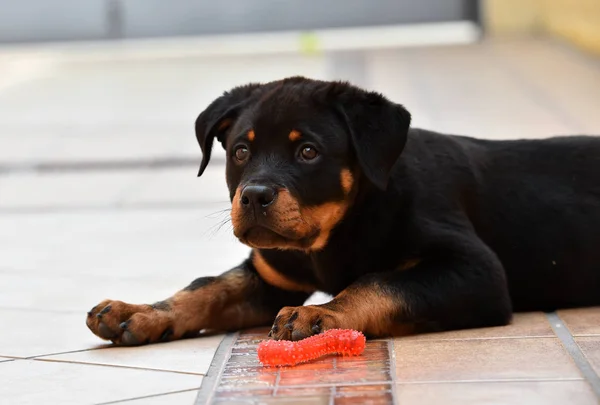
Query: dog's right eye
{"points": [[241, 153]]}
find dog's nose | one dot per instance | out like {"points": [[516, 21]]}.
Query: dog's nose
{"points": [[258, 196]]}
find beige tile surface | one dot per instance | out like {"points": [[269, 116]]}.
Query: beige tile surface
{"points": [[181, 186], [69, 189], [590, 346], [147, 245], [497, 393], [582, 321], [574, 97], [77, 294], [177, 398], [488, 359], [37, 333], [465, 90], [185, 356], [531, 324], [33, 381]]}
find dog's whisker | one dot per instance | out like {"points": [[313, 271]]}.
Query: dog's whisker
{"points": [[218, 213]]}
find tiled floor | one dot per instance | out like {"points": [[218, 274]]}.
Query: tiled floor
{"points": [[525, 362], [341, 380], [69, 239]]}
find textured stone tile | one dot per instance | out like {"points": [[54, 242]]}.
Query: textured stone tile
{"points": [[497, 393], [534, 324], [582, 321], [488, 359]]}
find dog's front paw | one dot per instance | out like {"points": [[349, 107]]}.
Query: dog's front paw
{"points": [[297, 323], [129, 324]]}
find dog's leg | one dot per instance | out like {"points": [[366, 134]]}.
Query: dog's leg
{"points": [[462, 285], [236, 299]]}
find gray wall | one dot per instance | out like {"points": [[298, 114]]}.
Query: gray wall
{"points": [[52, 20]]}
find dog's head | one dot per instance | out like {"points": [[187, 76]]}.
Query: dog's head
{"points": [[297, 150]]}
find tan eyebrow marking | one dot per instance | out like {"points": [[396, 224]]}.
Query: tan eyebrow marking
{"points": [[251, 135], [295, 135]]}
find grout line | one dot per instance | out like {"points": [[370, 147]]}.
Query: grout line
{"points": [[410, 340], [387, 382], [35, 356], [193, 205], [574, 351], [394, 377], [120, 401], [497, 381], [61, 353], [212, 378], [333, 390], [102, 165], [332, 395], [277, 380], [115, 366], [326, 385]]}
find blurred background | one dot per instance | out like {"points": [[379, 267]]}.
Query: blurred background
{"points": [[98, 160]]}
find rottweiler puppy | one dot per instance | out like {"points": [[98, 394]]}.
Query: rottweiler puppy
{"points": [[410, 230]]}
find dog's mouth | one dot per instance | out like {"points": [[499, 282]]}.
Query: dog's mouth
{"points": [[262, 237]]}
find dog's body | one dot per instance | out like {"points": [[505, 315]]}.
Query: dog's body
{"points": [[410, 230]]}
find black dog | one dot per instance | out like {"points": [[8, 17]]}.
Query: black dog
{"points": [[410, 230]]}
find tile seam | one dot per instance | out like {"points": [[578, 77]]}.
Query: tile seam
{"points": [[393, 377], [215, 370], [82, 363], [124, 401], [573, 349]]}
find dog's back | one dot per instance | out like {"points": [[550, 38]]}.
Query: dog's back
{"points": [[536, 204]]}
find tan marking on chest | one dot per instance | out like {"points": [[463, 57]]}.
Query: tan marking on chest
{"points": [[273, 277]]}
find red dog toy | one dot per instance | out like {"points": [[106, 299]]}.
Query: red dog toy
{"points": [[346, 342]]}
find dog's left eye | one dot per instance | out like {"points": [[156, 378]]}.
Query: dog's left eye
{"points": [[241, 153], [308, 152]]}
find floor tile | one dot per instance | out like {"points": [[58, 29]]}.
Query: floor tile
{"points": [[186, 356], [488, 359], [177, 398], [497, 393], [154, 244], [574, 99], [77, 294], [489, 91], [180, 185], [38, 333], [590, 346], [582, 321], [534, 324], [33, 381], [331, 379], [365, 394], [68, 189]]}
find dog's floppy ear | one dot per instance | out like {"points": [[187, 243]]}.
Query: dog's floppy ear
{"points": [[218, 117], [378, 129]]}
